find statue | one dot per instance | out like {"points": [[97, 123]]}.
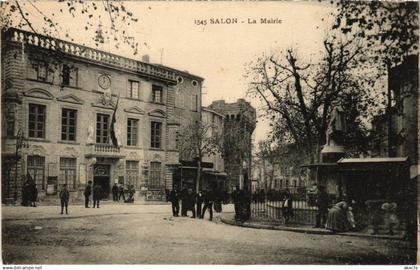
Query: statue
{"points": [[336, 127]]}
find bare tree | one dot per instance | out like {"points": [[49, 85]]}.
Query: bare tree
{"points": [[197, 140], [299, 96]]}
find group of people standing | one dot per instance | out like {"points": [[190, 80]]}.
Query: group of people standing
{"points": [[96, 193], [197, 203], [118, 193], [340, 217]]}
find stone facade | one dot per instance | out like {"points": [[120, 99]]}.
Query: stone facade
{"points": [[240, 117], [404, 141], [63, 105]]}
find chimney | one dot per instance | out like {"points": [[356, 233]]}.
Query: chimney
{"points": [[145, 58]]}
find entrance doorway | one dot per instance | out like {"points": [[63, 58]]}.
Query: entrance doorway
{"points": [[101, 176]]}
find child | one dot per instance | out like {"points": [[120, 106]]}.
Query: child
{"points": [[64, 197], [390, 216]]}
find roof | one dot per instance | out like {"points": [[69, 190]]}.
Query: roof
{"points": [[372, 160], [182, 72], [207, 109]]}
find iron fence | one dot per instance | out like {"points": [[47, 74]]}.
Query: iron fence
{"points": [[271, 206]]}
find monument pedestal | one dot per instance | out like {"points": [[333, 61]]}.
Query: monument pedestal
{"points": [[332, 153]]}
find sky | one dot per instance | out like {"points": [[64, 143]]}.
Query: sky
{"points": [[219, 53]]}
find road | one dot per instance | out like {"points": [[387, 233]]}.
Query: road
{"points": [[147, 234]]}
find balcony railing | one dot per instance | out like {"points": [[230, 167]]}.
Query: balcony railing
{"points": [[104, 150], [91, 54]]}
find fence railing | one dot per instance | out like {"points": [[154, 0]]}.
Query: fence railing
{"points": [[271, 206]]}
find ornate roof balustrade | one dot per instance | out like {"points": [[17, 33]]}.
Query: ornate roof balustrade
{"points": [[90, 54]]}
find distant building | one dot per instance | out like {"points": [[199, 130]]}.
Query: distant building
{"points": [[239, 121], [277, 176], [63, 97]]}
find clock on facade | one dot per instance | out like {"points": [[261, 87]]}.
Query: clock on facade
{"points": [[104, 81]]}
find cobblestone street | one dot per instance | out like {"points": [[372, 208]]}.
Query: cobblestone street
{"points": [[147, 234]]}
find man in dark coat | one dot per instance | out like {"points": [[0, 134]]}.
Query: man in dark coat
{"points": [[322, 202], [174, 199], [209, 198], [184, 200], [25, 193], [200, 199], [121, 192], [64, 198], [115, 192], [33, 191], [287, 207], [190, 202], [97, 194], [87, 193], [236, 202]]}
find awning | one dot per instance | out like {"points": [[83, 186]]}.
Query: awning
{"points": [[398, 165], [373, 160], [214, 172]]}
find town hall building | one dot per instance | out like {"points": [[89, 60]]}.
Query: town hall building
{"points": [[73, 114]]}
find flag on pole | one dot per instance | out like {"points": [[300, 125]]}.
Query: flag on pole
{"points": [[114, 139]]}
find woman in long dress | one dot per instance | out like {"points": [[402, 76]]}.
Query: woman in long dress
{"points": [[337, 218]]}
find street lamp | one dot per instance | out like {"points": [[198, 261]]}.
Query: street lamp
{"points": [[20, 143]]}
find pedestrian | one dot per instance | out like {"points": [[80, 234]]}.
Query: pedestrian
{"points": [[184, 195], [131, 192], [174, 199], [33, 194], [25, 193], [200, 200], [322, 202], [121, 193], [209, 198], [190, 202], [64, 198], [87, 193], [236, 202], [115, 192], [337, 217], [217, 202], [287, 208], [390, 216], [97, 194]]}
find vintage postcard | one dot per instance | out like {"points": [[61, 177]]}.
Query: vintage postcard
{"points": [[209, 133]]}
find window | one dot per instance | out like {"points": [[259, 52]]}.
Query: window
{"points": [[36, 169], [155, 173], [157, 94], [41, 70], [133, 90], [68, 172], [69, 75], [132, 172], [194, 103], [68, 125], [156, 130], [102, 128], [10, 120], [179, 99], [36, 123], [132, 131]]}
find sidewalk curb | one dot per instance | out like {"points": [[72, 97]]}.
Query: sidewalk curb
{"points": [[304, 230]]}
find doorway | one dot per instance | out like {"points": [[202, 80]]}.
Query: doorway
{"points": [[101, 176]]}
